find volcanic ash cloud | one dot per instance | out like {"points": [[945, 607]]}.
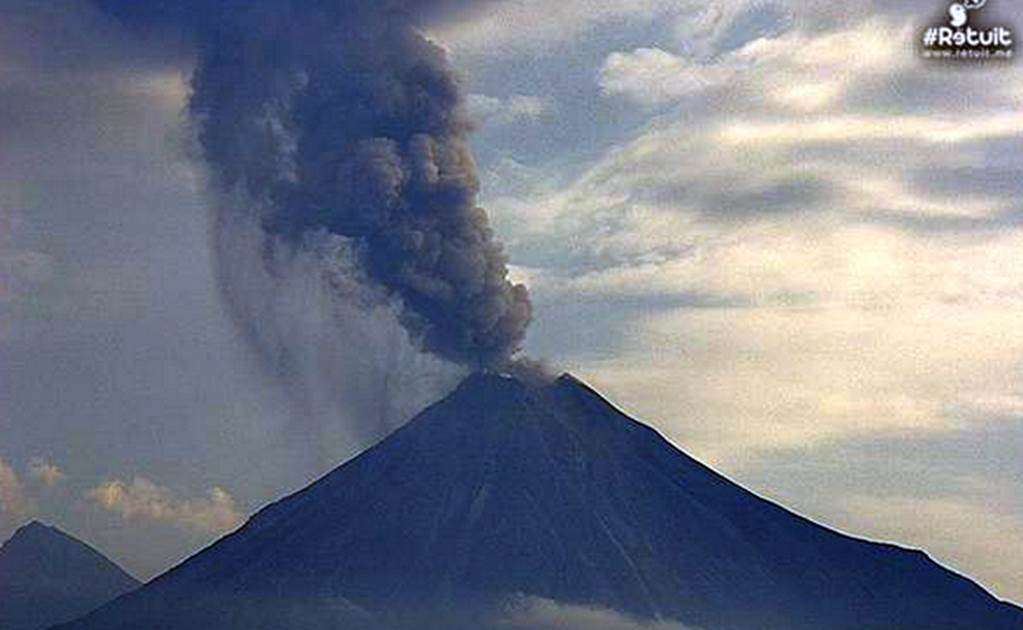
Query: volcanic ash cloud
{"points": [[335, 136], [342, 120]]}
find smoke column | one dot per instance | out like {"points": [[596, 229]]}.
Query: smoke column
{"points": [[335, 136], [344, 120]]}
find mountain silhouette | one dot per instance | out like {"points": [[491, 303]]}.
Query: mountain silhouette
{"points": [[507, 489], [48, 577]]}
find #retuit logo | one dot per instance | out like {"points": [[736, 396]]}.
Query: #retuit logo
{"points": [[965, 37]]}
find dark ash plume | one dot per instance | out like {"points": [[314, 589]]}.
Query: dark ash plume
{"points": [[341, 119]]}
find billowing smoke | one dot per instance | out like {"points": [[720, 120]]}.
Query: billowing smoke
{"points": [[341, 118], [335, 135]]}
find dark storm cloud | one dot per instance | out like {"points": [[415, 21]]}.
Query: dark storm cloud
{"points": [[343, 119]]}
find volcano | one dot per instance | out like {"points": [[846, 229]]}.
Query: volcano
{"points": [[505, 490], [48, 577]]}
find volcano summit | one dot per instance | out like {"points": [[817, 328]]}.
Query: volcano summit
{"points": [[506, 490]]}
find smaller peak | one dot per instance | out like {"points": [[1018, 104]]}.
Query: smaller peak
{"points": [[33, 526], [34, 530]]}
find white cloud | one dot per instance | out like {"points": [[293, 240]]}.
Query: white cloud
{"points": [[700, 28], [15, 504], [827, 314], [792, 69], [142, 499], [853, 128], [706, 30], [729, 383], [831, 272], [46, 472], [821, 248], [514, 109], [544, 614], [653, 76], [21, 270], [539, 24]]}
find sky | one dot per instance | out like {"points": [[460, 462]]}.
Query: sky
{"points": [[767, 228]]}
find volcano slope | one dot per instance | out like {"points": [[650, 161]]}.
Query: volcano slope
{"points": [[506, 489]]}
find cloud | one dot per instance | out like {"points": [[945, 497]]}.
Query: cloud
{"points": [[708, 30], [21, 269], [813, 240], [142, 499], [545, 614], [59, 74], [46, 472], [701, 29], [18, 271], [804, 374], [105, 230], [792, 68], [518, 108], [535, 613], [838, 129], [653, 76], [816, 305], [15, 504], [952, 493], [541, 25]]}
